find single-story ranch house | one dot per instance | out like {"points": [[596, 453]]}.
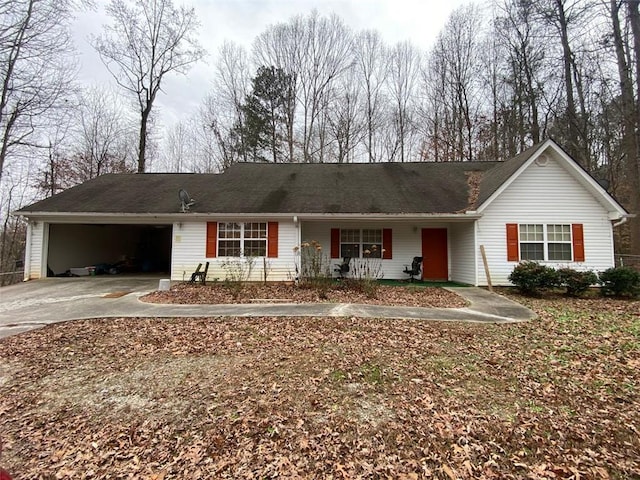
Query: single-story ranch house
{"points": [[540, 205]]}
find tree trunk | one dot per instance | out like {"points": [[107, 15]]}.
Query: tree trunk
{"points": [[626, 87], [633, 167], [142, 145], [370, 126], [568, 82]]}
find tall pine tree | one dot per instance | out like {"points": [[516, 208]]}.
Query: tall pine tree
{"points": [[264, 115]]}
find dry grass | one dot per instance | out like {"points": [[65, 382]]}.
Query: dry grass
{"points": [[558, 397]]}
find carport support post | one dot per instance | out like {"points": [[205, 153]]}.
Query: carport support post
{"points": [[27, 253], [486, 267]]}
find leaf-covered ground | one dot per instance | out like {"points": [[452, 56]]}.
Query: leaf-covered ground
{"points": [[558, 397], [219, 293]]}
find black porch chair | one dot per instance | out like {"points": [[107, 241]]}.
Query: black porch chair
{"points": [[343, 268], [415, 270], [200, 276]]}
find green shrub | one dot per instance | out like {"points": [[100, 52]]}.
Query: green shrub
{"points": [[620, 282], [576, 282], [531, 278]]}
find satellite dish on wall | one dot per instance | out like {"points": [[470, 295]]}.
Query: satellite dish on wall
{"points": [[185, 200]]}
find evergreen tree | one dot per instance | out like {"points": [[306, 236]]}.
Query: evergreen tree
{"points": [[265, 115]]}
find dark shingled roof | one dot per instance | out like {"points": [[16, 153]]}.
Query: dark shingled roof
{"points": [[386, 188], [328, 188]]}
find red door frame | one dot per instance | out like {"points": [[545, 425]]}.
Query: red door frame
{"points": [[435, 254]]}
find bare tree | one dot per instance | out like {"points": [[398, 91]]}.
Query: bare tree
{"points": [[94, 139], [146, 40], [281, 46], [205, 160], [403, 76], [178, 143], [313, 51], [633, 158], [434, 113], [345, 118], [37, 72], [520, 37], [564, 16], [218, 139], [101, 135], [454, 62], [191, 145], [326, 56], [217, 130], [37, 69], [57, 173], [232, 83], [371, 71], [13, 193]]}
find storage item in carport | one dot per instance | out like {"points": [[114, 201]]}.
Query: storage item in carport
{"points": [[105, 268], [80, 271]]}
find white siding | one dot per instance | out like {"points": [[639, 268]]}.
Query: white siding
{"points": [[189, 249], [462, 254], [36, 253], [544, 194], [406, 241]]}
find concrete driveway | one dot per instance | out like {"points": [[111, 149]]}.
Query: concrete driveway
{"points": [[37, 303], [29, 305]]}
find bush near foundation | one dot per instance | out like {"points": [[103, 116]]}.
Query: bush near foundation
{"points": [[575, 281], [620, 282], [533, 279]]}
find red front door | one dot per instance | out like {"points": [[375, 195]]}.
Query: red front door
{"points": [[435, 263]]}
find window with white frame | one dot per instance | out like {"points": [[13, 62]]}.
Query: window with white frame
{"points": [[242, 239], [356, 243], [559, 242], [541, 242]]}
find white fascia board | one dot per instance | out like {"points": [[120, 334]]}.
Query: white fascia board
{"points": [[145, 218], [388, 217], [89, 217], [613, 216]]}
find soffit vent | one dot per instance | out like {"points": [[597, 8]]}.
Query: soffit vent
{"points": [[542, 160]]}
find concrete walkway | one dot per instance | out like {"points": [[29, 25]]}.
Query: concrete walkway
{"points": [[34, 304]]}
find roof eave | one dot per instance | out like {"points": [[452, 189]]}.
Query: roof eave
{"points": [[181, 217], [388, 216]]}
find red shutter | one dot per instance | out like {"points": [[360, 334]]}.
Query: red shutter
{"points": [[387, 244], [578, 242], [512, 242], [272, 240], [335, 243], [212, 239]]}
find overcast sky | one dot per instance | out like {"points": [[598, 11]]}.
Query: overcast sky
{"points": [[242, 20]]}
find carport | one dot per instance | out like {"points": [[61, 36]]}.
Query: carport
{"points": [[110, 248]]}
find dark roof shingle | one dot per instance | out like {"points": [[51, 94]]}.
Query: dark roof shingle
{"points": [[392, 188]]}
